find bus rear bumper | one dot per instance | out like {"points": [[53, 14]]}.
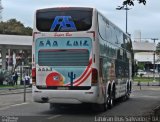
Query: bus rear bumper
{"points": [[65, 96]]}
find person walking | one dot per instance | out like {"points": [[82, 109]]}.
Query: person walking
{"points": [[15, 78], [27, 79]]}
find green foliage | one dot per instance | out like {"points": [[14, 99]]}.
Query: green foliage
{"points": [[131, 2], [141, 75], [158, 51], [4, 74], [140, 65], [145, 79], [14, 27]]}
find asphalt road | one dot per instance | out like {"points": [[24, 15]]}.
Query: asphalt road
{"points": [[141, 104]]}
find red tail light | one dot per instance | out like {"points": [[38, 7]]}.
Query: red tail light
{"points": [[94, 75], [34, 76]]}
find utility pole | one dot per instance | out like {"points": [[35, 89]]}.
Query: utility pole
{"points": [[154, 39]]}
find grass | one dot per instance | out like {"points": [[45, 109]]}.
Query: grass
{"points": [[145, 79], [9, 86]]}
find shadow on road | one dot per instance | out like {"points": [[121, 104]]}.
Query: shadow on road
{"points": [[81, 109]]}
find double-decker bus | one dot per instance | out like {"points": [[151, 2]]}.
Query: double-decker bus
{"points": [[79, 56]]}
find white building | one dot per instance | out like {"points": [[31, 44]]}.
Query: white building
{"points": [[9, 42], [144, 52]]}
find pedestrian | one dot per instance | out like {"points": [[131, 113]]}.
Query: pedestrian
{"points": [[15, 78], [27, 79]]}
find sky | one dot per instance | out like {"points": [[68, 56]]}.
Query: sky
{"points": [[143, 18]]}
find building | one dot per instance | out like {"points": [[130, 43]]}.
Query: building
{"points": [[12, 48], [144, 51]]}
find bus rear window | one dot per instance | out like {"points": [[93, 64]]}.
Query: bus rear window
{"points": [[63, 57], [64, 20]]}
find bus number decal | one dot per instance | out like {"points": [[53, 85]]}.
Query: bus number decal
{"points": [[63, 23]]}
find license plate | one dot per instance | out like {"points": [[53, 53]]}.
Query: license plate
{"points": [[62, 88]]}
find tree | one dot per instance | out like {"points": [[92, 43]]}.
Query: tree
{"points": [[158, 51], [131, 2], [140, 65], [15, 27]]}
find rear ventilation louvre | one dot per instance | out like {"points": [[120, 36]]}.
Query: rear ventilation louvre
{"points": [[70, 57]]}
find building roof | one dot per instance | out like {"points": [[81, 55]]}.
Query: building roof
{"points": [[143, 46], [15, 40], [144, 56]]}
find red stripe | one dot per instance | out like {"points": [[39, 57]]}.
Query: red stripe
{"points": [[90, 62], [84, 78]]}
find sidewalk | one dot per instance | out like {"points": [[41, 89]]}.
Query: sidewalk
{"points": [[147, 83], [5, 91]]}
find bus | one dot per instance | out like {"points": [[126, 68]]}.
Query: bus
{"points": [[79, 56]]}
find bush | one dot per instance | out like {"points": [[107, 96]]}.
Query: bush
{"points": [[4, 74]]}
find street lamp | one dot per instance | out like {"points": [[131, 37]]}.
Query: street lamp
{"points": [[126, 9], [154, 39]]}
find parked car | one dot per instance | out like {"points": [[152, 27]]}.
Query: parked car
{"points": [[152, 70], [141, 72], [5, 77]]}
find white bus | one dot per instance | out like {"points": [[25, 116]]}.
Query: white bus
{"points": [[79, 56]]}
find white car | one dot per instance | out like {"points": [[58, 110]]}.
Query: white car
{"points": [[141, 72]]}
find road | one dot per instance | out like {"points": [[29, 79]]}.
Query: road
{"points": [[141, 103]]}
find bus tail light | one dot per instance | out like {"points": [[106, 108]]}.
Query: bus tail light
{"points": [[94, 76], [34, 76]]}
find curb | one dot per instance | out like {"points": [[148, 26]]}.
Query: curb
{"points": [[15, 91]]}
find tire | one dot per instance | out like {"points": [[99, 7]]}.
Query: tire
{"points": [[128, 92], [110, 102], [113, 92], [130, 86], [109, 97]]}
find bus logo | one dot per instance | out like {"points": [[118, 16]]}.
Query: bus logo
{"points": [[63, 23]]}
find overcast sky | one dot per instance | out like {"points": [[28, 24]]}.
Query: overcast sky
{"points": [[144, 18]]}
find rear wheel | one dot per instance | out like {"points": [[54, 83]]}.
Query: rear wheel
{"points": [[130, 86], [111, 96], [110, 102], [127, 95]]}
